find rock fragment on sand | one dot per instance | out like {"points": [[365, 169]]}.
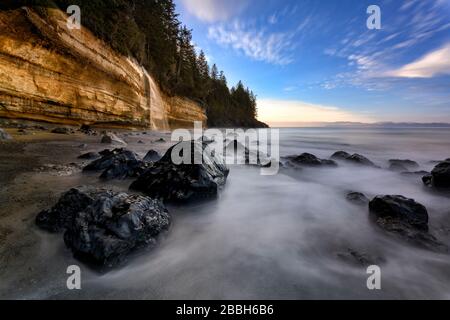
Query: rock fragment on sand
{"points": [[111, 138]]}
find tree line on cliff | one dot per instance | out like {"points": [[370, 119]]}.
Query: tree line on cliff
{"points": [[150, 31]]}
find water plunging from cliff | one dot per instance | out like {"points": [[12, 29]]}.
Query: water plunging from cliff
{"points": [[157, 108]]}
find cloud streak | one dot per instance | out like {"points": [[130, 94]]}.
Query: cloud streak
{"points": [[214, 10], [432, 64], [275, 47]]}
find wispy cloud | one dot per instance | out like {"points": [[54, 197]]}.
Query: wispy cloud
{"points": [[215, 10], [434, 63], [260, 45]]}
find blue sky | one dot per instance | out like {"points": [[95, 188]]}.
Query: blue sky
{"points": [[313, 61]]}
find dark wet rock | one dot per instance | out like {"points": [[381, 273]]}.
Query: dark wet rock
{"points": [[361, 160], [102, 226], [140, 142], [400, 208], [4, 135], [184, 182], [152, 156], [397, 167], [61, 215], [357, 198], [62, 130], [111, 138], [86, 129], [405, 218], [308, 159], [354, 158], [340, 155], [406, 164], [118, 164], [161, 140], [89, 155], [362, 259], [439, 177]]}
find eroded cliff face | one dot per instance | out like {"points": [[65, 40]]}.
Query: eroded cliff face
{"points": [[53, 74]]}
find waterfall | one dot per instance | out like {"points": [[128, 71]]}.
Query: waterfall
{"points": [[156, 105]]}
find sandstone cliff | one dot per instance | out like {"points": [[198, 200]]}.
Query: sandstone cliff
{"points": [[53, 74]]}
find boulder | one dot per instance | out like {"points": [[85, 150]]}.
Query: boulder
{"points": [[354, 158], [357, 198], [118, 164], [103, 227], [308, 159], [439, 177], [152, 156], [86, 129], [63, 213], [111, 138], [185, 181], [340, 155], [4, 135], [405, 218], [360, 160]]}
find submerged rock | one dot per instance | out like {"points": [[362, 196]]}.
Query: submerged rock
{"points": [[354, 158], [439, 177], [185, 181], [111, 138], [152, 156], [405, 218], [340, 155], [118, 164], [361, 160], [406, 165], [4, 135], [308, 159], [357, 258], [103, 226], [357, 198]]}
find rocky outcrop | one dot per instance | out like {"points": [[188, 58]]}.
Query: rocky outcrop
{"points": [[103, 226], [185, 181], [405, 218], [357, 198], [439, 177], [353, 158], [53, 74], [308, 160], [402, 165], [118, 164]]}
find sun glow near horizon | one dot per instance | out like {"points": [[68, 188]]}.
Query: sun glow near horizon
{"points": [[288, 112]]}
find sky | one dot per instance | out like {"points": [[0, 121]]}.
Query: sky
{"points": [[317, 61]]}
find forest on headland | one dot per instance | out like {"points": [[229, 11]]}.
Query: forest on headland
{"points": [[150, 31]]}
